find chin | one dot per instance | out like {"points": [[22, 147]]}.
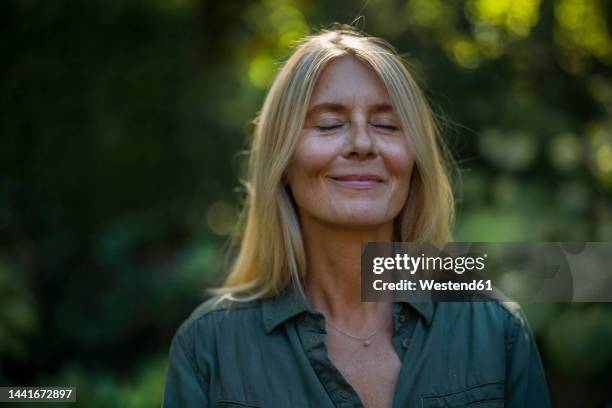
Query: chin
{"points": [[360, 220]]}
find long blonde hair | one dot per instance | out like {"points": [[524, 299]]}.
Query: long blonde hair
{"points": [[271, 251]]}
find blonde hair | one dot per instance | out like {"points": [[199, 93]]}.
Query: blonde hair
{"points": [[271, 252]]}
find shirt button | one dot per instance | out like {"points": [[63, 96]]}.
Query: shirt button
{"points": [[406, 343], [402, 318]]}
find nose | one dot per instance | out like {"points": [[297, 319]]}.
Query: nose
{"points": [[361, 144]]}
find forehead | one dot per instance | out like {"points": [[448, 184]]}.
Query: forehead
{"points": [[348, 80]]}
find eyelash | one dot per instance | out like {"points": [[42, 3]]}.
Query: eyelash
{"points": [[328, 128]]}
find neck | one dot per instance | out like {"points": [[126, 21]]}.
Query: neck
{"points": [[333, 275]]}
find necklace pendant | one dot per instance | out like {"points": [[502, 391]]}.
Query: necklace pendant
{"points": [[366, 343]]}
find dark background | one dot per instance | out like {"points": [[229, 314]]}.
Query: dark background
{"points": [[123, 128]]}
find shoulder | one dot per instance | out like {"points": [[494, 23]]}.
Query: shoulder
{"points": [[516, 324], [218, 313], [505, 318]]}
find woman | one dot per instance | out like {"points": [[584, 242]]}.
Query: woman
{"points": [[345, 152]]}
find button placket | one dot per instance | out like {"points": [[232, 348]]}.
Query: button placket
{"points": [[406, 342], [343, 394], [312, 330], [403, 329]]}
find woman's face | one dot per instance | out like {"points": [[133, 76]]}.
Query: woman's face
{"points": [[352, 165]]}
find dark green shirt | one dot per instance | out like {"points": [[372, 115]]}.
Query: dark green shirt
{"points": [[271, 353]]}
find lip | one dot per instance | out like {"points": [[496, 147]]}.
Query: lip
{"points": [[358, 181]]}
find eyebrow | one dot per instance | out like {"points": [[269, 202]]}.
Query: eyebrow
{"points": [[338, 107]]}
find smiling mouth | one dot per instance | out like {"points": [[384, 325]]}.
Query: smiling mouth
{"points": [[358, 182]]}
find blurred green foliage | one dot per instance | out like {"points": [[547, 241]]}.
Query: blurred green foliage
{"points": [[17, 315], [101, 389], [122, 130]]}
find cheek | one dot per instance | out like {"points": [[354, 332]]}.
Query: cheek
{"points": [[399, 161], [311, 158]]}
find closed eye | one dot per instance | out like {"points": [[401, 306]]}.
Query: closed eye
{"points": [[387, 127], [328, 128], [332, 127]]}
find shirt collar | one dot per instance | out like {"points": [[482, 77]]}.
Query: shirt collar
{"points": [[289, 303]]}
